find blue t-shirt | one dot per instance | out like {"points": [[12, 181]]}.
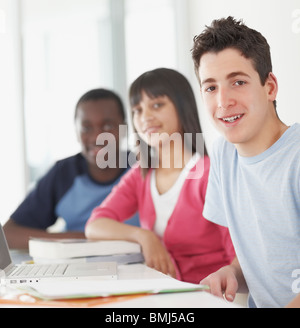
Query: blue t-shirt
{"points": [[66, 191], [258, 199]]}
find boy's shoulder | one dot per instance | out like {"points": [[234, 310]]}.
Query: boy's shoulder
{"points": [[290, 141], [294, 133]]}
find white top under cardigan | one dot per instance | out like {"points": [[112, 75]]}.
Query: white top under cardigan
{"points": [[165, 203]]}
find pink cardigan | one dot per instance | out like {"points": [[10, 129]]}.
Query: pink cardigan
{"points": [[198, 247]]}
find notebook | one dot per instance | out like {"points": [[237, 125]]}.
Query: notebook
{"points": [[35, 273]]}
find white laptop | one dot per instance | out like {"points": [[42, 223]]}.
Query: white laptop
{"points": [[34, 273]]}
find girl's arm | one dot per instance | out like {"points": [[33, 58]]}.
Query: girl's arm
{"points": [[155, 254], [106, 223]]}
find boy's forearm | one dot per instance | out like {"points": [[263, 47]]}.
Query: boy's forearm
{"points": [[17, 236], [295, 303]]}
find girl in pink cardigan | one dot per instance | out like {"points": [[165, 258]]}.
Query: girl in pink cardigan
{"points": [[167, 186]]}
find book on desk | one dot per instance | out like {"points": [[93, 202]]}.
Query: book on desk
{"points": [[51, 250]]}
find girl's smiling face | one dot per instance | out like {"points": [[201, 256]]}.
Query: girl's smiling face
{"points": [[155, 119]]}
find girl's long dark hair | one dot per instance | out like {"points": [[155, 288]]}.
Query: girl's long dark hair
{"points": [[170, 83]]}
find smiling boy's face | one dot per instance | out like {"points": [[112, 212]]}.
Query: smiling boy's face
{"points": [[240, 106], [94, 118]]}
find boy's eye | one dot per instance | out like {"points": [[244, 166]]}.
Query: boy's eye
{"points": [[107, 127], [210, 89], [240, 83], [85, 129], [136, 110]]}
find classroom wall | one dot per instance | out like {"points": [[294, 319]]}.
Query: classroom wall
{"points": [[12, 167], [279, 22]]}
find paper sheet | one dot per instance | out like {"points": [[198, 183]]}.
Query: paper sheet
{"points": [[83, 289]]}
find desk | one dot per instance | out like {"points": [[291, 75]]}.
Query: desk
{"points": [[176, 300], [140, 272]]}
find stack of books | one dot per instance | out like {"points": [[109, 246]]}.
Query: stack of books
{"points": [[50, 250]]}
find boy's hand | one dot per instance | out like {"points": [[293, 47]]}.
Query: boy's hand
{"points": [[223, 282]]}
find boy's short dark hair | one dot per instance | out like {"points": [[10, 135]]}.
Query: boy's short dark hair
{"points": [[98, 94], [230, 33]]}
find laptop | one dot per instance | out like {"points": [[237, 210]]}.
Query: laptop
{"points": [[35, 273]]}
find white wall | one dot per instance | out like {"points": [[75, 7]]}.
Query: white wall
{"points": [[12, 168], [279, 22]]}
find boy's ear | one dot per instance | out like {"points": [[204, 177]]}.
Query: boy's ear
{"points": [[76, 130], [272, 86]]}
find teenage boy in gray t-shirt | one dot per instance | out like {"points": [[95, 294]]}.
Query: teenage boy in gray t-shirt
{"points": [[254, 178]]}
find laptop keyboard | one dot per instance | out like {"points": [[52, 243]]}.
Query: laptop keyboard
{"points": [[34, 270]]}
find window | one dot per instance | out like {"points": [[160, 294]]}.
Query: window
{"points": [[68, 47], [71, 46], [150, 36], [66, 52]]}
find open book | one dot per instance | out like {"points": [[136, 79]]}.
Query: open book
{"points": [[78, 250]]}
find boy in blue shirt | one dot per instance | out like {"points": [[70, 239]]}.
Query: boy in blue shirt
{"points": [[254, 181], [74, 186]]}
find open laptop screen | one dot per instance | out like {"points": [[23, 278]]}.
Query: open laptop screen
{"points": [[5, 259]]}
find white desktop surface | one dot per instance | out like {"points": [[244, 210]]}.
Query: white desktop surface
{"points": [[175, 300], [172, 300], [197, 299]]}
